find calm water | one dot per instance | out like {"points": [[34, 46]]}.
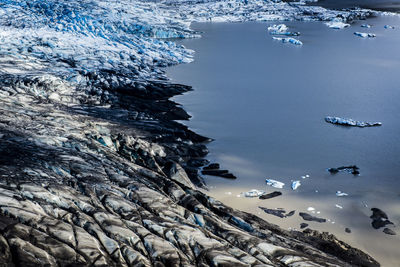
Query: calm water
{"points": [[264, 102]]}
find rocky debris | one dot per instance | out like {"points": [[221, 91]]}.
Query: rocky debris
{"points": [[270, 195], [347, 230], [379, 218], [303, 225], [353, 169], [309, 217], [350, 122], [327, 240], [278, 212], [389, 231]]}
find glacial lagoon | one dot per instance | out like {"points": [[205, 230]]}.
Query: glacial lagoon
{"points": [[264, 103]]}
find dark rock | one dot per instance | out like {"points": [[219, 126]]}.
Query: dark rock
{"points": [[379, 218], [309, 217], [278, 212], [389, 231], [219, 173], [270, 195], [347, 230], [303, 225], [212, 166], [197, 162], [353, 169]]}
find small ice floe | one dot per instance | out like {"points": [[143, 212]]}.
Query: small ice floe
{"points": [[338, 206], [274, 183], [350, 122], [228, 193], [337, 25], [254, 193], [366, 26], [310, 209], [295, 185], [365, 34], [388, 27], [341, 194], [288, 40], [278, 28], [285, 33]]}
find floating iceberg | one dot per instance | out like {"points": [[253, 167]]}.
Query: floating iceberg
{"points": [[254, 193], [275, 183], [337, 25], [338, 206], [295, 185], [341, 194], [288, 40], [350, 122], [366, 26], [365, 34], [285, 33], [388, 27]]}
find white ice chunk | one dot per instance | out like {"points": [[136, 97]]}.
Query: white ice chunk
{"points": [[278, 28], [295, 185], [274, 183], [254, 193], [341, 194], [338, 206], [337, 25]]}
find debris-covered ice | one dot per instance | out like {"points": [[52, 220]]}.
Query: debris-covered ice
{"points": [[365, 34], [350, 122], [353, 169], [278, 212], [275, 183]]}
